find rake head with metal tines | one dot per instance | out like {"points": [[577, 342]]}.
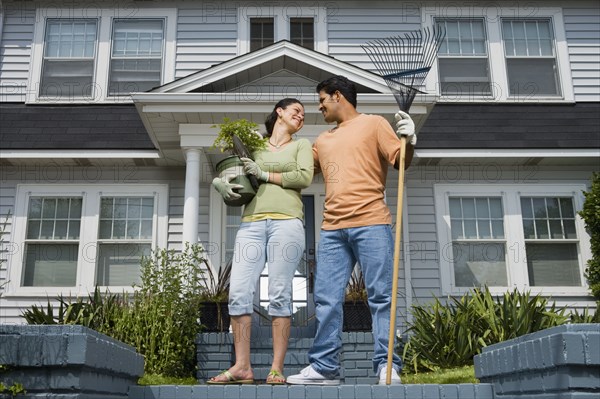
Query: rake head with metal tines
{"points": [[404, 61]]}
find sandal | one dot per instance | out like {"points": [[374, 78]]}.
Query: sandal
{"points": [[275, 378], [230, 379]]}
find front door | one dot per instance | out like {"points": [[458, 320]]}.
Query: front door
{"points": [[303, 307]]}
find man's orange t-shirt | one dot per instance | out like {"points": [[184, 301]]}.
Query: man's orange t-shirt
{"points": [[354, 159]]}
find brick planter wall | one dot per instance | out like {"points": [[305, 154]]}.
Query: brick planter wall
{"points": [[357, 358], [561, 362], [214, 353], [68, 362]]}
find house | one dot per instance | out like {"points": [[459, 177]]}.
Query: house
{"points": [[107, 113]]}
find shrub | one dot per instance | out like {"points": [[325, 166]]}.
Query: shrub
{"points": [[247, 132], [160, 319], [591, 215], [449, 335]]}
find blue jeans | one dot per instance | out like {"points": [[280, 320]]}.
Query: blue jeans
{"points": [[280, 243], [339, 250]]}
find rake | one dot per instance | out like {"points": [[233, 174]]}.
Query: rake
{"points": [[403, 62]]}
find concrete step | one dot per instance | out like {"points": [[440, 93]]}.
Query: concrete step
{"points": [[416, 391]]}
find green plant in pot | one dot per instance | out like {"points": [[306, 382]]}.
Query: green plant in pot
{"points": [[214, 297], [357, 316], [241, 139]]}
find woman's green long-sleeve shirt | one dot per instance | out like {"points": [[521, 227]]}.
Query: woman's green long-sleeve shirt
{"points": [[296, 165]]}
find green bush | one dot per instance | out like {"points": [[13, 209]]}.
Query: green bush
{"points": [[591, 215], [449, 335], [246, 131], [160, 319]]}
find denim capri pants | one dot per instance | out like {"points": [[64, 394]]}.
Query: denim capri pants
{"points": [[280, 243]]}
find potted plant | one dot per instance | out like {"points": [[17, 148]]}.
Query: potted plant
{"points": [[213, 300], [357, 316], [241, 139]]}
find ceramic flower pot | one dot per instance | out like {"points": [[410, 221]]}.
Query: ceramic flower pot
{"points": [[233, 165]]}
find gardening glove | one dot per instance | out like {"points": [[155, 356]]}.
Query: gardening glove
{"points": [[252, 168], [224, 186], [405, 127]]}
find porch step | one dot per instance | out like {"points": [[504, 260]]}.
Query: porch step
{"points": [[417, 391], [215, 353]]}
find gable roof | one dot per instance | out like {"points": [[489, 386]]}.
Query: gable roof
{"points": [[183, 113], [231, 75]]}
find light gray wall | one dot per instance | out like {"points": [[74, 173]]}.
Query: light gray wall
{"points": [[350, 24], [207, 35], [582, 28], [15, 49]]}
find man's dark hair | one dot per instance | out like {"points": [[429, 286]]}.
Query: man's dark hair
{"points": [[341, 84]]}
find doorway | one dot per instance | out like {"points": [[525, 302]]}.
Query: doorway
{"points": [[303, 307]]}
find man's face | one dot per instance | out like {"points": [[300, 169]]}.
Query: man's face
{"points": [[328, 105]]}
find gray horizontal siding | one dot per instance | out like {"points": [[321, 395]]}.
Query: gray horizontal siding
{"points": [[205, 36], [350, 24], [582, 28], [15, 50], [7, 210]]}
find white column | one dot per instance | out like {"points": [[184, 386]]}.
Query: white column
{"points": [[192, 194]]}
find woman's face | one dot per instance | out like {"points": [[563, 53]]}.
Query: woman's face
{"points": [[292, 116]]}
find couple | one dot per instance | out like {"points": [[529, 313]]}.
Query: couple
{"points": [[353, 157]]}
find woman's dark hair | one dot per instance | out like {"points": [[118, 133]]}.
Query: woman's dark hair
{"points": [[272, 118], [341, 84]]}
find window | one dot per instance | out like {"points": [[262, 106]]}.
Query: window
{"points": [[69, 54], [137, 48], [512, 236], [79, 236], [104, 58], [463, 64], [500, 53], [530, 57], [261, 26], [302, 32], [550, 241], [261, 32], [478, 241], [52, 241], [125, 234]]}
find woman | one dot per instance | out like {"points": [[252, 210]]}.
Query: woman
{"points": [[271, 231]]}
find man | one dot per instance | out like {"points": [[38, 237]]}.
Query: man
{"points": [[353, 157]]}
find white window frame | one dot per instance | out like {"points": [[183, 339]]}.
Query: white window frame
{"points": [[493, 15], [281, 17], [88, 239], [466, 57], [104, 17], [516, 261]]}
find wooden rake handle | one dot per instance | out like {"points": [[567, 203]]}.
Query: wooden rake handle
{"points": [[392, 336]]}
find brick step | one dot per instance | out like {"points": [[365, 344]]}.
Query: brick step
{"points": [[416, 391], [215, 353]]}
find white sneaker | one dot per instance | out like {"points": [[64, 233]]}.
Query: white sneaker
{"points": [[383, 375], [308, 376]]}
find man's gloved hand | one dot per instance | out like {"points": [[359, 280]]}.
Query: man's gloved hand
{"points": [[405, 127], [252, 168], [224, 186]]}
